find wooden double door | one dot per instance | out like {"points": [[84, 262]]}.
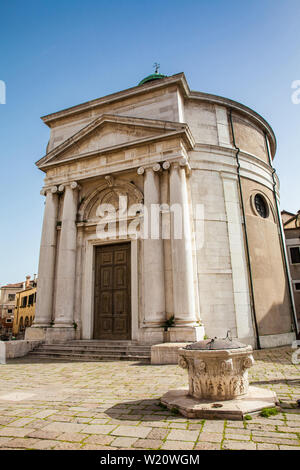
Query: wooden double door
{"points": [[112, 308]]}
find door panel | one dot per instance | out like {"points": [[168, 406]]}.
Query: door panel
{"points": [[112, 308]]}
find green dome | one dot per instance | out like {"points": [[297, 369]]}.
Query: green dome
{"points": [[151, 78]]}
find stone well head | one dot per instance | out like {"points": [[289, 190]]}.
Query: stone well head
{"points": [[217, 368]]}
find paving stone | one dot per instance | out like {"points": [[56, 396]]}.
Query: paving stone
{"points": [[95, 447], [4, 440], [99, 439], [211, 437], [289, 429], [236, 445], [177, 445], [195, 426], [264, 446], [45, 444], [275, 435], [67, 446], [132, 431], [178, 425], [285, 447], [213, 426], [276, 440], [64, 427], [40, 434], [6, 420], [72, 436], [124, 442], [24, 443], [82, 420], [181, 435], [21, 422], [237, 437], [158, 433], [100, 421], [237, 431], [60, 418], [44, 413], [207, 446], [155, 424], [15, 432], [148, 443], [98, 428], [38, 424]]}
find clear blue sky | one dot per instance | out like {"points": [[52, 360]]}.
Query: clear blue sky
{"points": [[56, 54]]}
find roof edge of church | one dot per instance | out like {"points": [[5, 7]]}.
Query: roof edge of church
{"points": [[137, 89], [180, 80]]}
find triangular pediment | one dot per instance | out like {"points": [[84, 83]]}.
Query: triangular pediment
{"points": [[108, 133]]}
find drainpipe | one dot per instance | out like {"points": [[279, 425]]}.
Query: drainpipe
{"points": [[282, 238], [245, 232]]}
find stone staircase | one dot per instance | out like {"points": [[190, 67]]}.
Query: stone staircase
{"points": [[94, 350]]}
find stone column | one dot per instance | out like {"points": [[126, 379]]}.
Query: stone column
{"points": [[182, 260], [166, 226], [45, 287], [65, 280], [153, 262]]}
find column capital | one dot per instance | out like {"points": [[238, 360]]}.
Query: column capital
{"points": [[74, 185], [180, 163], [153, 167], [156, 167], [52, 189]]}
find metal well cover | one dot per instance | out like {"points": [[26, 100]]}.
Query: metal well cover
{"points": [[216, 343]]}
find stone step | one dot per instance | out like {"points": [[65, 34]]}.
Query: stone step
{"points": [[104, 342], [96, 347], [95, 350], [92, 351], [94, 358]]}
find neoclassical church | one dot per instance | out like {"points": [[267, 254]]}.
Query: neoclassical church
{"points": [[159, 144]]}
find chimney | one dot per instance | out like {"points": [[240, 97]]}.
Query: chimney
{"points": [[27, 282]]}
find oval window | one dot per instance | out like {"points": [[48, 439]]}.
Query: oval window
{"points": [[261, 206]]}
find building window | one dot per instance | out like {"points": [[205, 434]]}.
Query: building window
{"points": [[24, 302], [11, 297], [297, 286], [9, 310], [8, 320], [30, 299], [261, 206], [295, 254]]}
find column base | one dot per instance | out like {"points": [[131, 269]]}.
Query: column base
{"points": [[151, 335], [185, 334], [50, 335]]}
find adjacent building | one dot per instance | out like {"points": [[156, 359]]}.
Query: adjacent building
{"points": [[291, 224], [182, 183], [25, 308], [7, 308]]}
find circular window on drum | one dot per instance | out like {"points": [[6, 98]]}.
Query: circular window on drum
{"points": [[261, 206]]}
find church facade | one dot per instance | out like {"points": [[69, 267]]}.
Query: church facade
{"points": [[161, 211]]}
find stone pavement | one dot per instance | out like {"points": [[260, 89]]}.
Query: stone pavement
{"points": [[58, 405]]}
